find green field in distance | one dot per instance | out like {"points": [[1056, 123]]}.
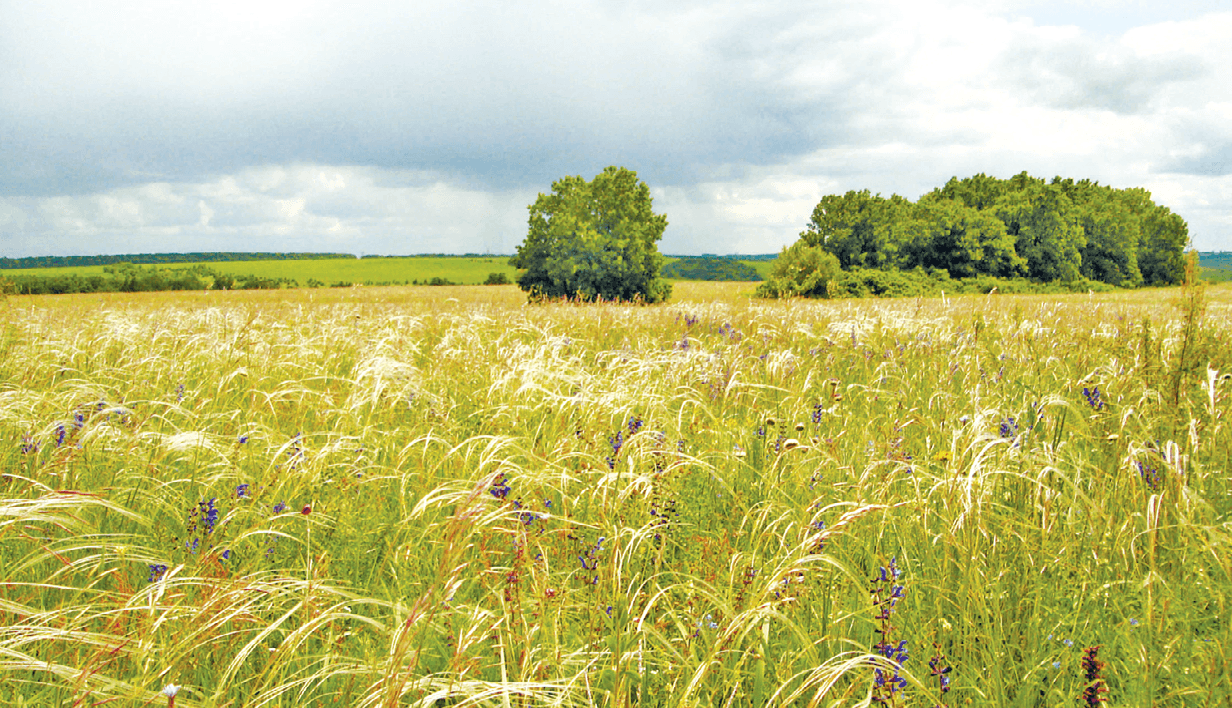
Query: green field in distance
{"points": [[463, 270]]}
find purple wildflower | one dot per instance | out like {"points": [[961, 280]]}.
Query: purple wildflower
{"points": [[940, 668], [617, 442], [209, 515], [500, 488], [1150, 475], [886, 593], [1009, 427]]}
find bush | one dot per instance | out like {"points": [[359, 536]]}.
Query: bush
{"points": [[497, 279], [802, 271], [795, 277], [867, 282]]}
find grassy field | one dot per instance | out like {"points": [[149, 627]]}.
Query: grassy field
{"points": [[463, 270], [443, 496]]}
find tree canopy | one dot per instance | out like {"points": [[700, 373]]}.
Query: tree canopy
{"points": [[594, 239], [709, 268], [1022, 227]]}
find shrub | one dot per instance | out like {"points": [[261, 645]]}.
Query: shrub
{"points": [[802, 271]]}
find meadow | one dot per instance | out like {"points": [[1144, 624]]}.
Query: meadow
{"points": [[460, 270], [414, 496], [463, 270]]}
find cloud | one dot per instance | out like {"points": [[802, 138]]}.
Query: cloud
{"points": [[394, 127], [104, 96], [1066, 70], [299, 207]]}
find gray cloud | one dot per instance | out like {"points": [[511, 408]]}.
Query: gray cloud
{"points": [[1211, 163], [496, 94], [1203, 142], [1072, 71], [404, 127], [1211, 156]]}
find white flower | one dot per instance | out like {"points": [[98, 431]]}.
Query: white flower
{"points": [[170, 690]]}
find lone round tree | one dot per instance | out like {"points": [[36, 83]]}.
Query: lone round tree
{"points": [[593, 240]]}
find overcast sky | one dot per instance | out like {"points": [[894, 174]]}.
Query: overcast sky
{"points": [[415, 127]]}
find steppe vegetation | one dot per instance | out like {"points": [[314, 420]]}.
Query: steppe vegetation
{"points": [[418, 496]]}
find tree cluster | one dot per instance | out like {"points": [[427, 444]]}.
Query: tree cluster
{"points": [[709, 268], [131, 278], [1022, 227]]}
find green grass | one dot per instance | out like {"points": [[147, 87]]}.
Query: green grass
{"points": [[488, 503], [763, 268], [1215, 275], [463, 270], [460, 270], [1216, 266]]}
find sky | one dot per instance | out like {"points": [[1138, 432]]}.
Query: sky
{"points": [[397, 128]]}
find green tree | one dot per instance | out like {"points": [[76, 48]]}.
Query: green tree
{"points": [[962, 240], [1161, 252], [1128, 240], [594, 239], [978, 191], [861, 229], [1111, 230], [1045, 228], [802, 270]]}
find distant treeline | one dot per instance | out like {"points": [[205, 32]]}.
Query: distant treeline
{"points": [[159, 259], [132, 278], [443, 255], [1216, 266], [735, 256], [709, 268], [1216, 259], [1022, 227]]}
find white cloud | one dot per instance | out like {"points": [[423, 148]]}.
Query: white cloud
{"points": [[311, 207], [398, 128]]}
